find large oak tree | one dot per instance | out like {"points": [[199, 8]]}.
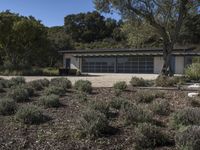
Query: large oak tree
{"points": [[166, 16]]}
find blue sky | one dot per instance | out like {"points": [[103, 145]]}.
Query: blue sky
{"points": [[50, 12]]}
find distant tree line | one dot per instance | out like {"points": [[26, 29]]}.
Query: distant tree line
{"points": [[25, 41]]}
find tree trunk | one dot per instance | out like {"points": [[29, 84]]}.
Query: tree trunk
{"points": [[167, 57]]}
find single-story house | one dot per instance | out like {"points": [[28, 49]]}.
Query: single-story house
{"points": [[146, 60]]}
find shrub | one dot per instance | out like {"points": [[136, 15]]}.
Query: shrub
{"points": [[17, 81], [150, 136], [138, 82], [100, 106], [7, 106], [50, 101], [135, 114], [189, 138], [185, 117], [4, 83], [146, 96], [83, 86], [61, 82], [165, 81], [195, 101], [81, 96], [161, 107], [193, 72], [1, 87], [93, 123], [54, 90], [120, 86], [29, 115], [39, 84], [117, 103], [19, 94]]}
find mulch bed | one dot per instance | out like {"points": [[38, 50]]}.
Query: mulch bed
{"points": [[60, 132]]}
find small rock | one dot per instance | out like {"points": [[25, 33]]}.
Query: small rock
{"points": [[193, 94], [196, 85]]}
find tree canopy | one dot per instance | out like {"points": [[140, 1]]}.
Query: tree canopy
{"points": [[166, 17]]}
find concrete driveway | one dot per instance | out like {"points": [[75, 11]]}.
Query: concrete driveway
{"points": [[98, 80]]}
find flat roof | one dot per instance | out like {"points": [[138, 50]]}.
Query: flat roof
{"points": [[130, 52]]}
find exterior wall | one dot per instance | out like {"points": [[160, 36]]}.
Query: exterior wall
{"points": [[179, 64], [75, 62], [158, 64]]}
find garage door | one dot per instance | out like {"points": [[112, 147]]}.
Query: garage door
{"points": [[135, 64], [98, 64]]}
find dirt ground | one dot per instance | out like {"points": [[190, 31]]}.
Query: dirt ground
{"points": [[60, 132], [98, 80]]}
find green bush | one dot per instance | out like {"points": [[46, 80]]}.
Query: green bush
{"points": [[195, 101], [81, 96], [100, 106], [161, 107], [120, 86], [145, 96], [193, 72], [135, 114], [150, 136], [83, 86], [93, 124], [1, 87], [54, 90], [61, 82], [19, 94], [4, 83], [39, 85], [185, 117], [117, 103], [138, 82], [188, 139], [17, 81], [29, 115], [7, 106], [165, 81], [50, 101]]}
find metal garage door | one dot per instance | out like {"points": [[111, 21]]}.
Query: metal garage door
{"points": [[135, 64], [98, 64]]}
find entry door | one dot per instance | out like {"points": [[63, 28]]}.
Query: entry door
{"points": [[173, 67], [67, 63]]}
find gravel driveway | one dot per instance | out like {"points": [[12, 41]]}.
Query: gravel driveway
{"points": [[98, 80]]}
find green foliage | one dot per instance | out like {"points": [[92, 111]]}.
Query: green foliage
{"points": [[82, 27], [81, 96], [49, 101], [161, 107], [195, 101], [16, 81], [39, 85], [135, 114], [150, 136], [93, 124], [188, 138], [4, 83], [145, 96], [117, 103], [138, 82], [7, 106], [165, 81], [83, 86], [61, 82], [120, 86], [29, 115], [54, 90], [185, 117], [19, 94], [16, 32], [193, 72], [102, 107]]}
